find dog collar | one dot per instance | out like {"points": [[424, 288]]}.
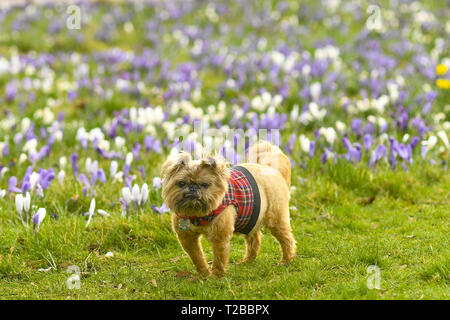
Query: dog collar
{"points": [[199, 221], [243, 193]]}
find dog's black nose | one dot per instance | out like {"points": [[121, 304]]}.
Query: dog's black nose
{"points": [[192, 192], [193, 188]]}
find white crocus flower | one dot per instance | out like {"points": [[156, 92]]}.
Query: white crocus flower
{"points": [[38, 218], [304, 143], [3, 171], [118, 176], [119, 142], [316, 112], [19, 204], [294, 113], [135, 194], [126, 194], [94, 167], [103, 213], [144, 194], [22, 158], [113, 168], [62, 162], [27, 202], [129, 158], [58, 135], [2, 193], [315, 90], [91, 211], [30, 145], [25, 124], [441, 134], [34, 177], [329, 133], [430, 143], [61, 176], [104, 145], [88, 164], [340, 126], [157, 182]]}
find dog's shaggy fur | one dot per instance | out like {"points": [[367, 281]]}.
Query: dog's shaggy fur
{"points": [[272, 171]]}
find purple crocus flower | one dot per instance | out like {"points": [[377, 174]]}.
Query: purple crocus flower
{"points": [[290, 144], [126, 169], [324, 156], [356, 126], [142, 171], [347, 143], [128, 181], [38, 218], [84, 142], [161, 209], [427, 107], [87, 185], [414, 141], [5, 151], [136, 150], [393, 152], [157, 183], [11, 90], [419, 124], [355, 153], [101, 175], [12, 183], [423, 152], [74, 160], [46, 177], [376, 155], [312, 148], [367, 141], [72, 95], [402, 151], [45, 151]]}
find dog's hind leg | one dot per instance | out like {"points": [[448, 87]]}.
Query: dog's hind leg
{"points": [[280, 228], [252, 244], [190, 242]]}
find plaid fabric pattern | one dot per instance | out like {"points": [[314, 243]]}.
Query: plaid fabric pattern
{"points": [[240, 195]]}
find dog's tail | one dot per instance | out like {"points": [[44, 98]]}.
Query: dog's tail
{"points": [[270, 155]]}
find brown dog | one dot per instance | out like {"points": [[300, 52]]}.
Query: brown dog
{"points": [[209, 198]]}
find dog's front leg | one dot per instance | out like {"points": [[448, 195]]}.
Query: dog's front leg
{"points": [[190, 241], [220, 234]]}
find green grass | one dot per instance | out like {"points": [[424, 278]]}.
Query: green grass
{"points": [[398, 222]]}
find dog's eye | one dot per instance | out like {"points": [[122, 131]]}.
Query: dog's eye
{"points": [[204, 185], [181, 184]]}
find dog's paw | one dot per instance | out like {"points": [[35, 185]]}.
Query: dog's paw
{"points": [[286, 261], [218, 273], [205, 273], [246, 261]]}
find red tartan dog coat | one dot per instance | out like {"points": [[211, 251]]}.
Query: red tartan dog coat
{"points": [[243, 194]]}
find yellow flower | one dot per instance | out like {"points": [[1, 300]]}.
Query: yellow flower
{"points": [[441, 69], [443, 83]]}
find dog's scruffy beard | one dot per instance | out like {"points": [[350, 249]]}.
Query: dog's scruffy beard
{"points": [[194, 187]]}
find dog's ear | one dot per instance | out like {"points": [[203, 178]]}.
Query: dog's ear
{"points": [[216, 164], [209, 162], [175, 163]]}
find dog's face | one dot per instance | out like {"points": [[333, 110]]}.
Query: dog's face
{"points": [[194, 187]]}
